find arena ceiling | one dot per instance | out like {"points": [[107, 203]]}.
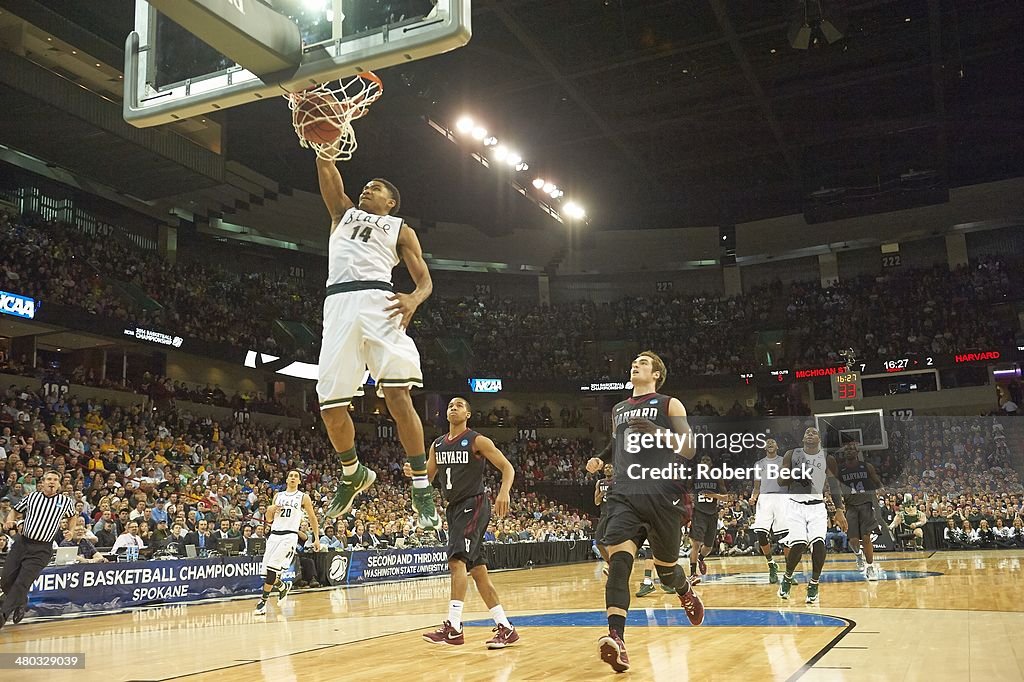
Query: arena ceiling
{"points": [[664, 113]]}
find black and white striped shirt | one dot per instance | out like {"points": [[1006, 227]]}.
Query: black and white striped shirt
{"points": [[43, 515]]}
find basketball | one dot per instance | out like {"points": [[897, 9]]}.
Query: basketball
{"points": [[319, 118]]}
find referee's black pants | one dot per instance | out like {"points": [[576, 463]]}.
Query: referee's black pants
{"points": [[25, 562]]}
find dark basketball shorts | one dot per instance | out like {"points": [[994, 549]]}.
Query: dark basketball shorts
{"points": [[861, 518], [467, 523], [704, 528], [643, 517]]}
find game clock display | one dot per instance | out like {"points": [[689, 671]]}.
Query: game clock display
{"points": [[847, 386]]}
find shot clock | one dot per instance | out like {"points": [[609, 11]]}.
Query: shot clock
{"points": [[847, 386]]}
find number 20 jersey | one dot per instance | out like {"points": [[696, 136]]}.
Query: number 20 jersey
{"points": [[363, 248], [289, 511]]}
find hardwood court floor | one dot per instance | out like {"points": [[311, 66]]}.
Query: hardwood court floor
{"points": [[945, 616]]}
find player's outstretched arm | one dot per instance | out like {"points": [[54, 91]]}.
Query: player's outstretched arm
{"points": [[875, 480], [411, 253], [833, 494], [332, 189], [486, 447], [681, 426], [314, 523], [834, 486], [597, 462], [787, 466]]}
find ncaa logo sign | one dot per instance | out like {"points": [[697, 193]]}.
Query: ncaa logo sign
{"points": [[339, 569], [18, 306], [485, 385]]}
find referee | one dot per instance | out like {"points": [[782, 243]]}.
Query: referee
{"points": [[33, 548]]}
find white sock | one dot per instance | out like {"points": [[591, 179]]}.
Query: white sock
{"points": [[455, 614], [349, 469], [498, 614], [420, 482]]}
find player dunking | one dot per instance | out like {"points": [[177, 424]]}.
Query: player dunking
{"points": [[810, 503], [769, 501], [860, 484], [361, 330], [708, 493], [460, 457], [286, 513], [640, 508]]}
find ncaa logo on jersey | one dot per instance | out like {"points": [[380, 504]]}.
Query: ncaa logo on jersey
{"points": [[339, 569], [654, 402], [464, 442]]}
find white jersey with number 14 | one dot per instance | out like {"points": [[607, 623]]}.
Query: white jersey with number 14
{"points": [[363, 248]]}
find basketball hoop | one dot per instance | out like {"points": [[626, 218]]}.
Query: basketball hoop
{"points": [[319, 114]]}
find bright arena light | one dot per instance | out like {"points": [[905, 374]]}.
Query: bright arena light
{"points": [[538, 183], [490, 141], [520, 167], [514, 159], [548, 188], [465, 125], [479, 133], [500, 152], [573, 210]]}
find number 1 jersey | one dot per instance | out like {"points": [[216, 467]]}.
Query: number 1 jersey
{"points": [[459, 469]]}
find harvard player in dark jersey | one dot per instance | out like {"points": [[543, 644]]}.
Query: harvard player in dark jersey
{"points": [[460, 458], [601, 489], [708, 492], [860, 484], [638, 506]]}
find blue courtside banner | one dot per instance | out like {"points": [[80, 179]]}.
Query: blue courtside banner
{"points": [[104, 587], [366, 567]]}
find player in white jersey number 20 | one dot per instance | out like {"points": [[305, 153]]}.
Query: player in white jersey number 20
{"points": [[286, 512], [364, 327]]}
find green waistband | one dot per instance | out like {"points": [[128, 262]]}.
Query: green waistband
{"points": [[343, 287]]}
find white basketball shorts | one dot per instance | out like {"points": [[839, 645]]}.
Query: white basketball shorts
{"points": [[771, 515], [280, 550], [358, 335], [807, 523]]}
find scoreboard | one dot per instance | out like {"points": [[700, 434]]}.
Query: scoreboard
{"points": [[847, 386]]}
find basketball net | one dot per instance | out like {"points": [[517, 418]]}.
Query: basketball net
{"points": [[336, 106]]}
